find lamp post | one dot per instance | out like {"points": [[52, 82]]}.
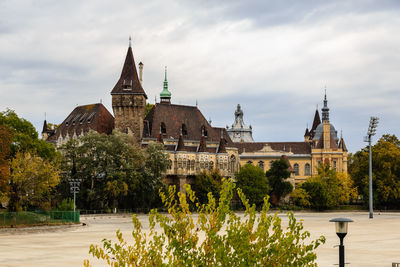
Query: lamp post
{"points": [[74, 187], [341, 225], [373, 123]]}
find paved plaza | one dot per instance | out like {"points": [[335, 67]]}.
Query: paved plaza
{"points": [[373, 242]]}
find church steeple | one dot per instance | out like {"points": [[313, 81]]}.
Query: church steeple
{"points": [[165, 95], [325, 110]]}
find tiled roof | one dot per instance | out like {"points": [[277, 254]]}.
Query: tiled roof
{"points": [[129, 82], [295, 147], [83, 118], [173, 116]]}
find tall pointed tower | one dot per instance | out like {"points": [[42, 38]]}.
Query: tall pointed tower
{"points": [[129, 99]]}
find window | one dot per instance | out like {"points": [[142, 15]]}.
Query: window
{"points": [[307, 169], [184, 129], [82, 118], [334, 164], [296, 169], [170, 165], [211, 165], [233, 163], [204, 131], [261, 164], [90, 118], [75, 119], [180, 163], [184, 163], [249, 162], [163, 129], [192, 164]]}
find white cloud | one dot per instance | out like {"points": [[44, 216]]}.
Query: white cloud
{"points": [[273, 58]]}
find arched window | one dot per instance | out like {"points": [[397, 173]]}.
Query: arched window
{"points": [[163, 129], [261, 164], [211, 165], [206, 165], [307, 169], [232, 163], [296, 169]]}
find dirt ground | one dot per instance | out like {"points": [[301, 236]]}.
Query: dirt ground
{"points": [[370, 242]]}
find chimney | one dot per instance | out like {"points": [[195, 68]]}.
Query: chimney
{"points": [[141, 73]]}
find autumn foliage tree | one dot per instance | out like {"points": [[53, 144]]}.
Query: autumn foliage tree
{"points": [[386, 171], [32, 182], [5, 147], [216, 236]]}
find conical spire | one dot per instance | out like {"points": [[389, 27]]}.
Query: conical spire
{"points": [[165, 95], [316, 122], [129, 82], [307, 133], [221, 147], [325, 109], [44, 127]]}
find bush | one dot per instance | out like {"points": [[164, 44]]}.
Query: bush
{"points": [[66, 204], [229, 239]]}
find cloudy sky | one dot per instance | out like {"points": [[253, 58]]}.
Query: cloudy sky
{"points": [[273, 57]]}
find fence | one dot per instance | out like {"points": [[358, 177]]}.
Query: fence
{"points": [[9, 219]]}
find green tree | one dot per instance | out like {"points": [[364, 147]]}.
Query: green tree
{"points": [[32, 182], [276, 176], [386, 172], [229, 239], [251, 179], [206, 182], [115, 171], [25, 137], [148, 108]]}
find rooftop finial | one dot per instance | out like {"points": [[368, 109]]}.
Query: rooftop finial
{"points": [[325, 109], [130, 41]]}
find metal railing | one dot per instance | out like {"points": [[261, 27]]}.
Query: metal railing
{"points": [[28, 218]]}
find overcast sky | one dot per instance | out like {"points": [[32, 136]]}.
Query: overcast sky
{"points": [[273, 57]]}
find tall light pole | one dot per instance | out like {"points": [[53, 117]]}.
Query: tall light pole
{"points": [[373, 123], [74, 187]]}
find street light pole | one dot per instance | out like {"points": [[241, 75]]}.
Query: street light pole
{"points": [[341, 225], [373, 123], [74, 187]]}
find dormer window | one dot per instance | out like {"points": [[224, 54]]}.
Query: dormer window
{"points": [[127, 85], [184, 129], [75, 119], [83, 118], [90, 118], [204, 131], [163, 129]]}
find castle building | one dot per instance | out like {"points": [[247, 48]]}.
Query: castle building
{"points": [[191, 142]]}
